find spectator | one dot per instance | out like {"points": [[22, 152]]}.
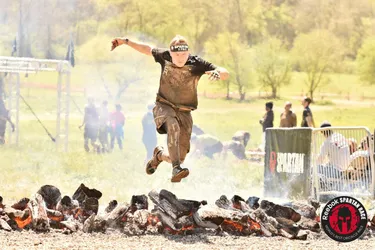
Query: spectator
{"points": [[307, 117], [336, 149], [117, 121], [149, 137], [91, 123], [266, 122], [288, 118]]}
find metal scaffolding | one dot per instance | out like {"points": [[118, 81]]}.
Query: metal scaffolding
{"points": [[16, 65]]}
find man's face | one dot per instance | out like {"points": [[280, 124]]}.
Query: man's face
{"points": [[179, 58], [288, 107], [304, 103]]}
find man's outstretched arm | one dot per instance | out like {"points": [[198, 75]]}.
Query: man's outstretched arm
{"points": [[141, 47]]}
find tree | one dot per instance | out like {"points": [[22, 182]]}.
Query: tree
{"points": [[366, 61], [316, 54], [272, 65], [122, 67], [228, 51]]}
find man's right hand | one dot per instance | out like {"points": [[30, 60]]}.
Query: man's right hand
{"points": [[117, 42]]}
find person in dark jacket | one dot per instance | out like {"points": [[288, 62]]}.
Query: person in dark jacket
{"points": [[307, 117], [266, 122]]}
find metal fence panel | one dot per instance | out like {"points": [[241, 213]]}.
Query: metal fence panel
{"points": [[342, 162]]}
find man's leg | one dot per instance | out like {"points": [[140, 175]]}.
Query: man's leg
{"points": [[119, 139], [86, 140], [178, 146], [113, 137], [101, 139], [173, 138], [93, 135], [173, 155]]}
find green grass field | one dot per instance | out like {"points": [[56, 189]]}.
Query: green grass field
{"points": [[121, 174]]}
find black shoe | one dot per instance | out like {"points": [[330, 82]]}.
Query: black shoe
{"points": [[153, 164], [179, 173]]}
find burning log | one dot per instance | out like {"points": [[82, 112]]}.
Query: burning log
{"points": [[73, 226], [117, 217], [170, 215], [54, 215], [40, 221], [309, 224], [239, 203], [67, 206], [236, 203], [285, 234], [21, 204], [305, 210], [224, 203], [288, 226], [252, 201], [136, 223], [83, 192], [14, 213], [232, 221], [4, 225], [166, 219], [88, 225], [174, 213], [138, 202], [302, 235], [51, 195], [173, 207], [114, 218], [269, 225], [276, 210], [112, 205], [22, 218], [90, 206]]}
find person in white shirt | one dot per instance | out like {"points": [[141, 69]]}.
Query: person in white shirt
{"points": [[337, 150]]}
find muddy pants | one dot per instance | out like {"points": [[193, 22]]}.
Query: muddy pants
{"points": [[177, 125]]}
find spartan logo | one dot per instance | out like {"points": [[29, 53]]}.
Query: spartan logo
{"points": [[344, 219]]}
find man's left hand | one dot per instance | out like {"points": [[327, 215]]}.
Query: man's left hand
{"points": [[214, 75]]}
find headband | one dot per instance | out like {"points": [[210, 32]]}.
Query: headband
{"points": [[181, 47]]}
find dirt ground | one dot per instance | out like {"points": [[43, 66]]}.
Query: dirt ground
{"points": [[57, 240]]}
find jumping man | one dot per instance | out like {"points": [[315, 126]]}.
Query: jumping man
{"points": [[176, 98]]}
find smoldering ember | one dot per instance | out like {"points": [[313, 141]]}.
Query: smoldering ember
{"points": [[48, 210]]}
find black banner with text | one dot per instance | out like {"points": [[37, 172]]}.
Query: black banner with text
{"points": [[287, 162]]}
